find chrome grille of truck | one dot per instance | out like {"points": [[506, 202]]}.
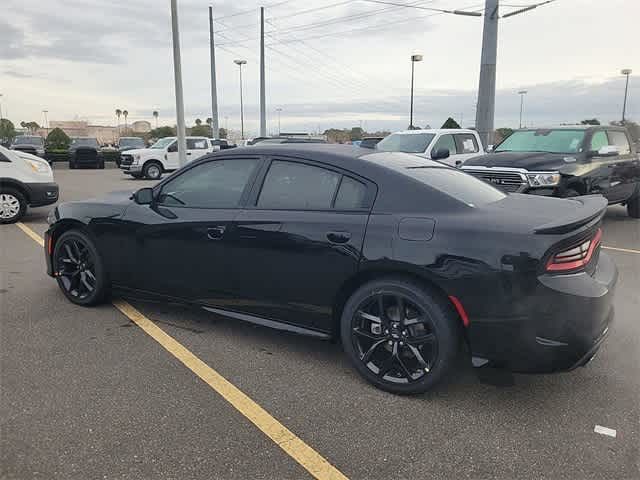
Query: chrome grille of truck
{"points": [[512, 182], [126, 159]]}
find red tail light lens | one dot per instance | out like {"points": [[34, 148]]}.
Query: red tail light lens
{"points": [[575, 257]]}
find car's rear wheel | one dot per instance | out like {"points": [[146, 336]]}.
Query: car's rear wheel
{"points": [[633, 205], [79, 269], [13, 205], [152, 170], [400, 336]]}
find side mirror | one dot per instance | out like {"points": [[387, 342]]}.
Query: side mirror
{"points": [[173, 147], [144, 196], [440, 154], [489, 148]]}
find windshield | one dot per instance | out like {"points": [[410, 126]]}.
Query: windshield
{"points": [[406, 142], [551, 141], [131, 142], [24, 140], [457, 184], [84, 142], [163, 143]]}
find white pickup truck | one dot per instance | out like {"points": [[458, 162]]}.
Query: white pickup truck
{"points": [[162, 156], [447, 145]]}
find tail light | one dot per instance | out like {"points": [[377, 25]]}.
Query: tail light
{"points": [[575, 257]]}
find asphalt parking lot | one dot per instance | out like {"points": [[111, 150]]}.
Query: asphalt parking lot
{"points": [[87, 394]]}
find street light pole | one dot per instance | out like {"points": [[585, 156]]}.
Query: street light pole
{"points": [[215, 127], [522, 93], [279, 110], [627, 72], [414, 59], [177, 72], [240, 63], [46, 121]]}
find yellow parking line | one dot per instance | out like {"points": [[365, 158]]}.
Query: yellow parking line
{"points": [[626, 250], [297, 449]]}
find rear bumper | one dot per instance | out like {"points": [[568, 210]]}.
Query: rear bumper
{"points": [[570, 317], [42, 193]]}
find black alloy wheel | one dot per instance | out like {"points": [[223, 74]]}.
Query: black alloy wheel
{"points": [[78, 269], [400, 336]]}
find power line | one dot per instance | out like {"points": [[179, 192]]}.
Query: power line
{"points": [[244, 12], [441, 10]]}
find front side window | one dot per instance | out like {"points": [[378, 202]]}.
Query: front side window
{"points": [[406, 142], [445, 141], [545, 140], [599, 140], [620, 140], [466, 143], [295, 186], [163, 143], [217, 184]]}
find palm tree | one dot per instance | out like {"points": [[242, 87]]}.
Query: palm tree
{"points": [[118, 113], [155, 115], [209, 121], [125, 114]]}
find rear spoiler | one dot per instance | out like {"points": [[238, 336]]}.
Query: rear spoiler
{"points": [[593, 207]]}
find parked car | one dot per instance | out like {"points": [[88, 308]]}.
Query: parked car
{"points": [[451, 146], [128, 143], [400, 257], [25, 181], [565, 162], [33, 144], [162, 156], [223, 144], [370, 142], [85, 152], [288, 140]]}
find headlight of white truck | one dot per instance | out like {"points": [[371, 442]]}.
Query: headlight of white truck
{"points": [[37, 166], [543, 179]]}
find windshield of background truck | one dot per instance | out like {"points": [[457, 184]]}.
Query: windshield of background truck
{"points": [[549, 141]]}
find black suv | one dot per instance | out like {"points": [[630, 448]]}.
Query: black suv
{"points": [[85, 151], [565, 162]]}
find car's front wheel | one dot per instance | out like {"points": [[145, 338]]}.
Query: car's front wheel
{"points": [[13, 205], [152, 170], [79, 269], [400, 336]]}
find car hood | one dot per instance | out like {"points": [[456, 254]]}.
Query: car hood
{"points": [[130, 149], [141, 151], [526, 160], [111, 205]]}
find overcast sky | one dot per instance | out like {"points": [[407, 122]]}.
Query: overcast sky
{"points": [[330, 63]]}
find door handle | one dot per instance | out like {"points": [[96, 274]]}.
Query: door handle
{"points": [[216, 233], [338, 237], [188, 153]]}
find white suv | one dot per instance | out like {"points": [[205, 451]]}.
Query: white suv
{"points": [[25, 180], [162, 156], [452, 146]]}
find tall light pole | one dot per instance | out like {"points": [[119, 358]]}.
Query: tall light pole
{"points": [[177, 72], [414, 59], [627, 72], [263, 101], [215, 127], [240, 63], [46, 121], [522, 93], [279, 110]]}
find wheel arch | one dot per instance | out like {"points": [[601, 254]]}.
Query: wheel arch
{"points": [[16, 185], [153, 160]]}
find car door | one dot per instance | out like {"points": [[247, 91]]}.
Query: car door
{"points": [[607, 176], [196, 148], [466, 147], [299, 241], [172, 159], [182, 238], [625, 167], [445, 141]]}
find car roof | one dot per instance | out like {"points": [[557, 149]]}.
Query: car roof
{"points": [[435, 131], [571, 127]]}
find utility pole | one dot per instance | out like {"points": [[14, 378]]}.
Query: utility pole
{"points": [[46, 121], [487, 86], [263, 101], [522, 93], [215, 127], [240, 63], [177, 72], [279, 110], [414, 59], [627, 72]]}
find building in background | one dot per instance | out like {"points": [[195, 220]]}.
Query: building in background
{"points": [[104, 133]]}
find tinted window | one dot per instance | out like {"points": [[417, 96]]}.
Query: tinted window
{"points": [[217, 184], [350, 195], [406, 142], [599, 140], [457, 184], [445, 141], [466, 143], [84, 142], [551, 141], [298, 187], [620, 140], [196, 144]]}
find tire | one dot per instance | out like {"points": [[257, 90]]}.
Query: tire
{"points": [[633, 205], [13, 205], [389, 346], [72, 165], [101, 165], [79, 269], [152, 170]]}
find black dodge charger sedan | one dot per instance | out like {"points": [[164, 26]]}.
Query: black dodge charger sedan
{"points": [[403, 259]]}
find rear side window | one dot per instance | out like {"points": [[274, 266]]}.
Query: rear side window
{"points": [[457, 184], [466, 143], [351, 195], [196, 144], [620, 140], [446, 141], [295, 186]]}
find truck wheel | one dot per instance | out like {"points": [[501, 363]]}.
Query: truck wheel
{"points": [[72, 165], [152, 170], [633, 206], [101, 165], [13, 205]]}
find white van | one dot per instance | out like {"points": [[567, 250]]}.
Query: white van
{"points": [[162, 156], [25, 180], [452, 146]]}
